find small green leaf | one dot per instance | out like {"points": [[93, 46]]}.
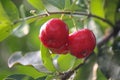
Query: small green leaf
{"points": [[5, 29], [46, 58], [67, 4], [3, 15], [57, 3], [66, 62], [5, 24], [50, 77], [41, 78], [77, 62], [97, 8], [31, 58], [53, 77], [110, 10], [77, 5], [19, 77], [10, 9], [85, 72], [28, 70], [100, 75], [38, 4]]}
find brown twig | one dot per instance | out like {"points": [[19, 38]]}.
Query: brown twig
{"points": [[67, 13], [105, 39], [69, 73], [115, 31]]}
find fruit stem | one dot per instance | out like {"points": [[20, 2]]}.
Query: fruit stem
{"points": [[74, 23], [62, 15]]}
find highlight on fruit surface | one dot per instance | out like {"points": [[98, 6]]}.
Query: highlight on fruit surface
{"points": [[82, 43], [54, 35]]}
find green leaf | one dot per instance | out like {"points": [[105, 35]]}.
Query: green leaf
{"points": [[53, 77], [85, 72], [77, 5], [50, 77], [57, 3], [3, 15], [110, 10], [77, 62], [67, 4], [100, 75], [19, 77], [66, 62], [41, 78], [28, 70], [5, 29], [46, 58], [10, 9], [31, 58], [97, 8], [5, 24], [38, 4]]}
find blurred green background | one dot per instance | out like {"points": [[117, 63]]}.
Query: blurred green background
{"points": [[23, 34], [25, 39]]}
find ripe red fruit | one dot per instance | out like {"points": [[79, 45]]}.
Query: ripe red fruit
{"points": [[63, 49], [54, 35], [82, 43]]}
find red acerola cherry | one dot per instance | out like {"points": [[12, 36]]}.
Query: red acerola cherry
{"points": [[82, 43], [54, 35]]}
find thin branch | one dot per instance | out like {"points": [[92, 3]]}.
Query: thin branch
{"points": [[67, 13], [85, 60], [105, 39], [69, 73], [114, 33], [30, 17], [104, 20]]}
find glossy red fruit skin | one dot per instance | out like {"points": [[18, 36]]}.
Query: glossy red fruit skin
{"points": [[82, 43], [54, 35], [63, 50]]}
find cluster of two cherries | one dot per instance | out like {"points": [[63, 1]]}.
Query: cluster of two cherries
{"points": [[54, 34]]}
